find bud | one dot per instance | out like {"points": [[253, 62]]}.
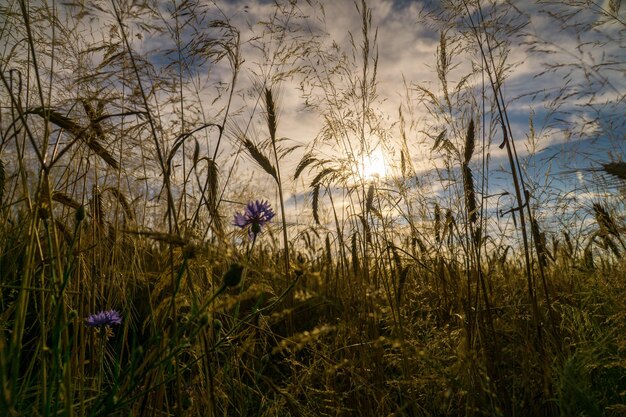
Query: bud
{"points": [[190, 251], [232, 278], [187, 402], [80, 213], [217, 326], [204, 319], [43, 211]]}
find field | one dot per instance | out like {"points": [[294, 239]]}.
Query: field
{"points": [[166, 251]]}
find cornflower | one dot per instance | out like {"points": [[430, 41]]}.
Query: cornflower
{"points": [[256, 215], [104, 318]]}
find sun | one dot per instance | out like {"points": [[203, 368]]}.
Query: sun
{"points": [[373, 166]]}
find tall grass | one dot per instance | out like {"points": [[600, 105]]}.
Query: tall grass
{"points": [[412, 293]]}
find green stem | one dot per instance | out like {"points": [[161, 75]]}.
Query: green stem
{"points": [[243, 275]]}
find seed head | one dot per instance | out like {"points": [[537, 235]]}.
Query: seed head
{"points": [[80, 213], [232, 278]]}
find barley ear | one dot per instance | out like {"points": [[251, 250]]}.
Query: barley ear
{"points": [[169, 238], [315, 196], [588, 256], [315, 186], [355, 255], [196, 152], [404, 273], [439, 139], [121, 198], [370, 198], [65, 199], [259, 157], [306, 160], [605, 221], [366, 228], [449, 226], [568, 242], [96, 205], [213, 197], [271, 114], [329, 252], [321, 175], [64, 230], [609, 243], [99, 150], [616, 169], [470, 195], [540, 242], [93, 119], [470, 142], [77, 131], [437, 223]]}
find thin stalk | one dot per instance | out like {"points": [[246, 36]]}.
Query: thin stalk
{"points": [[171, 210], [517, 183], [272, 125]]}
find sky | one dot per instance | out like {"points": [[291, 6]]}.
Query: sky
{"points": [[564, 84], [407, 51], [568, 76]]}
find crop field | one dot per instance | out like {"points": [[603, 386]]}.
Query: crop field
{"points": [[312, 208]]}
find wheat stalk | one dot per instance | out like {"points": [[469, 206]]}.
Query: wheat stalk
{"points": [[97, 209], [468, 179], [2, 181]]}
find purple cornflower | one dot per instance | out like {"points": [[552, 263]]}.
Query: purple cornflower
{"points": [[256, 215], [104, 318]]}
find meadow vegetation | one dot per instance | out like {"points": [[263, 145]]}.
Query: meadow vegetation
{"points": [[132, 132]]}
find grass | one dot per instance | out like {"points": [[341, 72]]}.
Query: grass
{"points": [[409, 294]]}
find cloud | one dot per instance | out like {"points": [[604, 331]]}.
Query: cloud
{"points": [[570, 80]]}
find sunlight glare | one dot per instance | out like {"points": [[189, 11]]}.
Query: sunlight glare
{"points": [[373, 166]]}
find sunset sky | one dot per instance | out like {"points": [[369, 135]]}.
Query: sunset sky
{"points": [[407, 48], [564, 70], [576, 58]]}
